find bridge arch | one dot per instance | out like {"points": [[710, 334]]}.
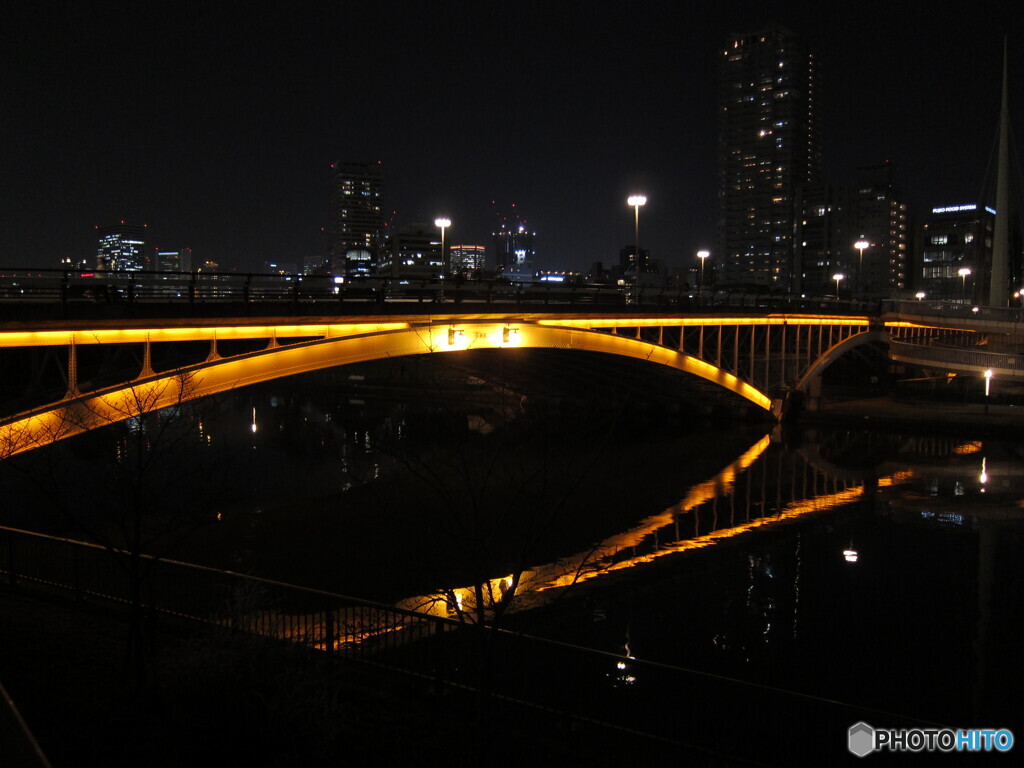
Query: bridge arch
{"points": [[216, 375], [819, 366]]}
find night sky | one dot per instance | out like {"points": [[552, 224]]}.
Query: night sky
{"points": [[216, 124]]}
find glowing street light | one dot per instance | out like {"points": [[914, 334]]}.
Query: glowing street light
{"points": [[703, 256], [861, 245], [636, 201], [837, 277], [988, 385], [920, 295], [963, 272], [443, 223]]}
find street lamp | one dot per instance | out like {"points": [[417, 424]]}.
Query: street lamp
{"points": [[920, 295], [964, 272], [702, 255], [988, 383], [443, 223], [861, 245], [636, 201], [837, 277]]}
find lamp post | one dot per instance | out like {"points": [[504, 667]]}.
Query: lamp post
{"points": [[702, 255], [636, 201], [861, 245], [920, 295], [988, 383], [963, 272], [837, 277], [443, 222]]}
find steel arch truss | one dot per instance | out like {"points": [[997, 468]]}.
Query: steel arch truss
{"points": [[757, 358]]}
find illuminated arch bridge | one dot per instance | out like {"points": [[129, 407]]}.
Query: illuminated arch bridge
{"points": [[756, 358]]}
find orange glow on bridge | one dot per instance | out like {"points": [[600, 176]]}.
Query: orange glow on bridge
{"points": [[329, 344]]}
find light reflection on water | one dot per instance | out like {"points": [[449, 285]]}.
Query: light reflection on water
{"points": [[747, 574]]}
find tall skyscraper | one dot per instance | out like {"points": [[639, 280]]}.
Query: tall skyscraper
{"points": [[514, 249], [356, 229], [120, 248], [769, 144]]}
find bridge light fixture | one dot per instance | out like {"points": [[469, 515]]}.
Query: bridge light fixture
{"points": [[510, 335], [837, 277], [850, 554], [455, 334], [920, 295]]}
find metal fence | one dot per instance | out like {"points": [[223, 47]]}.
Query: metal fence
{"points": [[84, 289], [558, 682]]}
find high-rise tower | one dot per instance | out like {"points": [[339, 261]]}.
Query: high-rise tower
{"points": [[357, 218], [514, 249], [769, 144], [120, 248]]}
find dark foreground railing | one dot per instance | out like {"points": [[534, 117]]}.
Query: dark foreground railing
{"points": [[18, 747], [523, 677], [22, 289]]}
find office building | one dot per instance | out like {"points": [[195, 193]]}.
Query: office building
{"points": [[413, 254], [880, 266], [820, 240], [769, 145], [121, 248], [956, 253], [174, 261], [467, 260], [356, 229]]}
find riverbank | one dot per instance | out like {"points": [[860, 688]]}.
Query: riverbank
{"points": [[888, 413]]}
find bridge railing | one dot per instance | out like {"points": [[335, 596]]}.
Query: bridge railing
{"points": [[955, 310], [527, 677], [72, 287], [957, 357]]}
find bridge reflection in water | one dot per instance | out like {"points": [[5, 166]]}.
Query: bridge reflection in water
{"points": [[759, 490], [767, 486]]}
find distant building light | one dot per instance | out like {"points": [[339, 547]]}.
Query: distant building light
{"points": [[957, 208]]}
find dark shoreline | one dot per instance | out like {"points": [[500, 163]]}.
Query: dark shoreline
{"points": [[888, 414]]}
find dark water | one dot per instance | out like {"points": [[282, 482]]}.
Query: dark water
{"points": [[725, 551]]}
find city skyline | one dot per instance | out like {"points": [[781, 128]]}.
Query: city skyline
{"points": [[221, 132]]}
